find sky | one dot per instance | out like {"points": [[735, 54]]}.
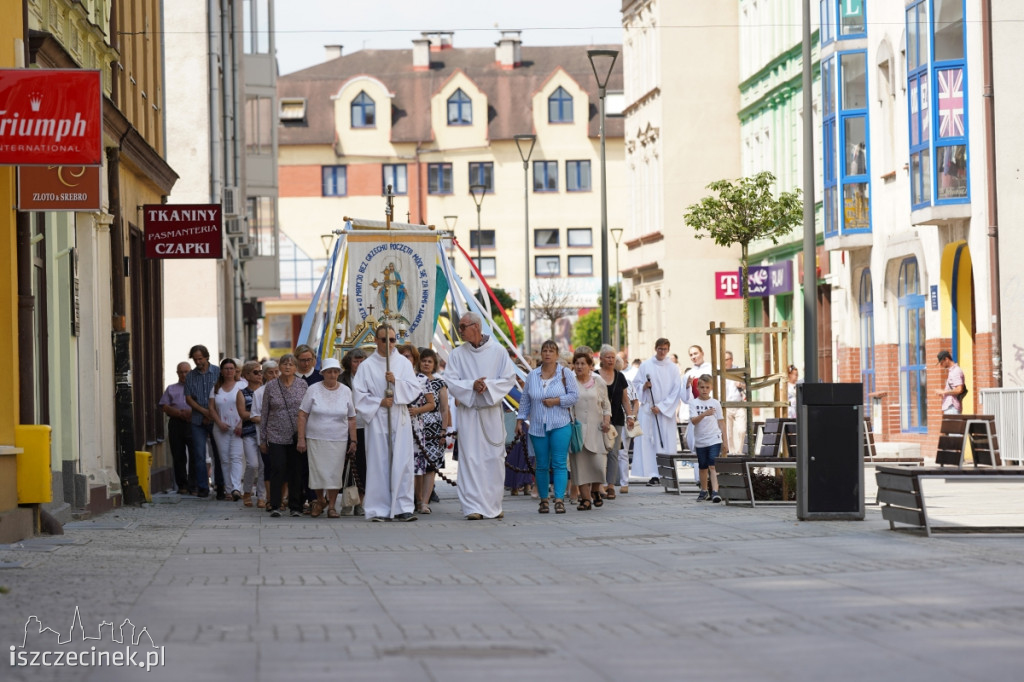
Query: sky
{"points": [[303, 27]]}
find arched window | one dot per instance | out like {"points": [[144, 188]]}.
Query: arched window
{"points": [[460, 109], [913, 371], [560, 106], [363, 111], [867, 334]]}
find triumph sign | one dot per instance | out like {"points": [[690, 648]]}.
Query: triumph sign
{"points": [[51, 117], [182, 230]]}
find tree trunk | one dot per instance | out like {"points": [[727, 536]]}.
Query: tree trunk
{"points": [[745, 284]]}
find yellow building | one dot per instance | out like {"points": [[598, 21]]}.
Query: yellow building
{"points": [[93, 368], [431, 121]]}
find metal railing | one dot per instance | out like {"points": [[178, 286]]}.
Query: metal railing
{"points": [[1007, 405]]}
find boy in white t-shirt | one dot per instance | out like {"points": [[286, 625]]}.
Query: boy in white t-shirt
{"points": [[708, 423]]}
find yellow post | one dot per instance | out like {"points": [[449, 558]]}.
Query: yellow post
{"points": [[143, 468], [34, 474]]}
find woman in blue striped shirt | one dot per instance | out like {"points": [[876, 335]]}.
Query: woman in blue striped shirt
{"points": [[549, 393]]}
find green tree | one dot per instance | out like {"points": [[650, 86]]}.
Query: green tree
{"points": [[587, 330], [740, 212]]}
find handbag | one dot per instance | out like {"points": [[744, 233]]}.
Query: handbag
{"points": [[609, 437], [635, 431], [576, 437]]}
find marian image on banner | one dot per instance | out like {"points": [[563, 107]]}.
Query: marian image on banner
{"points": [[394, 280]]}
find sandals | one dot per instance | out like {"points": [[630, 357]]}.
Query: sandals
{"points": [[597, 499], [423, 510], [559, 507], [543, 507], [609, 493], [584, 505], [332, 513], [317, 508]]}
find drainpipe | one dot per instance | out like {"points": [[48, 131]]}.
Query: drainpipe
{"points": [[990, 181]]}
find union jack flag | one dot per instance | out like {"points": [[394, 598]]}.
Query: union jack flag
{"points": [[951, 102]]}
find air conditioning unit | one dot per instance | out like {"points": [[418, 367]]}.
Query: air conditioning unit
{"points": [[246, 252], [231, 201], [234, 227]]}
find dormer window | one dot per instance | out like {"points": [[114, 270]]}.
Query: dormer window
{"points": [[292, 110], [560, 106], [363, 111], [460, 109]]}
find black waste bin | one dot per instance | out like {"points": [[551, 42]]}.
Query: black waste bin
{"points": [[830, 452]]}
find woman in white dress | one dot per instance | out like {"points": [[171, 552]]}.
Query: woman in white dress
{"points": [[227, 431], [327, 429]]}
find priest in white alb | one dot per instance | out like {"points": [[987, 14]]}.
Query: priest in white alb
{"points": [[657, 384], [389, 466], [479, 374]]}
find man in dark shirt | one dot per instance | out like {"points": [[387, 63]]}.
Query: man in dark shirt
{"points": [[198, 385]]}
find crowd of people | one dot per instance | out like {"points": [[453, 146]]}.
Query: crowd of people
{"points": [[367, 435]]}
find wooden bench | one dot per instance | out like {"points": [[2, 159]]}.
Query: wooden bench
{"points": [[958, 431], [735, 477], [901, 496], [778, 438], [672, 472]]}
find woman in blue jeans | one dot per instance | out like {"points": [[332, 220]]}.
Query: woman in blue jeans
{"points": [[549, 393]]}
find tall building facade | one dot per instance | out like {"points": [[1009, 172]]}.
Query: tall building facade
{"points": [[905, 203], [90, 303], [430, 122], [681, 65], [225, 145], [772, 120]]}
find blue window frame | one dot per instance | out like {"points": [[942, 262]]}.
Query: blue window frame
{"points": [[482, 173], [938, 111], [828, 140], [560, 106], [545, 176], [828, 18], [334, 181], [913, 370], [439, 178], [364, 111], [852, 19], [396, 175], [867, 334], [854, 178], [949, 70], [460, 109], [577, 176]]}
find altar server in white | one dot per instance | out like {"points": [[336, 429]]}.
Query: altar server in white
{"points": [[479, 374], [657, 384], [389, 484]]}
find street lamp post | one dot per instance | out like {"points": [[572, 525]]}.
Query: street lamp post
{"points": [[521, 141], [449, 224], [606, 60], [617, 235], [477, 192]]}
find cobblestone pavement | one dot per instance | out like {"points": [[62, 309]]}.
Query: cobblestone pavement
{"points": [[652, 586]]}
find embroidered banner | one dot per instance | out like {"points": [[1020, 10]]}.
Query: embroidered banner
{"points": [[394, 281]]}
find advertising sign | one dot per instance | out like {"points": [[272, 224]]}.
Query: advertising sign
{"points": [[182, 230], [762, 280], [59, 188], [51, 117]]}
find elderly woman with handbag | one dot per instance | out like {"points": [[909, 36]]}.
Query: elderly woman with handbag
{"points": [[549, 393], [279, 426], [327, 430], [593, 412]]}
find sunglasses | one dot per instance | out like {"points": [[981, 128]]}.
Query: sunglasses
{"points": [[392, 340], [467, 326]]}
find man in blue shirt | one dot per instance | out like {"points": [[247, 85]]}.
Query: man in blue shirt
{"points": [[198, 386]]}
